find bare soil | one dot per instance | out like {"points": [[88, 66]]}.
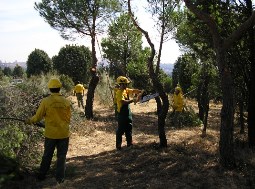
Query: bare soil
{"points": [[190, 161]]}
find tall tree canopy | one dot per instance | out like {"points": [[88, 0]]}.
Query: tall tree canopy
{"points": [[123, 44], [38, 63], [18, 71], [85, 18], [7, 71], [73, 61]]}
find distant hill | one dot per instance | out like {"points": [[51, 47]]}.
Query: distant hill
{"points": [[12, 64], [167, 68]]}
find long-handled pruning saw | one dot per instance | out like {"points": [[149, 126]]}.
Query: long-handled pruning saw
{"points": [[39, 124], [148, 97]]}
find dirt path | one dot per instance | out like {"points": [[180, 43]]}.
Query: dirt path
{"points": [[189, 161]]}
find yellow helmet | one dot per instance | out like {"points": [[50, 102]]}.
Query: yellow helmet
{"points": [[178, 88], [122, 79], [54, 83]]}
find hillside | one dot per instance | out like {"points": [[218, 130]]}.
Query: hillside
{"points": [[168, 68], [190, 161]]}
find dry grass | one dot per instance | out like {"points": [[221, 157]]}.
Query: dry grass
{"points": [[189, 161]]}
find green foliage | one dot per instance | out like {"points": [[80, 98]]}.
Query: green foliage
{"points": [[19, 142], [122, 46], [7, 146], [167, 83], [67, 82], [168, 15], [1, 74], [188, 118], [73, 61], [184, 68], [103, 91], [81, 16], [7, 71], [18, 71], [38, 63]]}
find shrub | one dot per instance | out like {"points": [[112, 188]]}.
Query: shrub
{"points": [[188, 118], [67, 82]]}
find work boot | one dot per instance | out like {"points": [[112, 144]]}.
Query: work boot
{"points": [[129, 143]]}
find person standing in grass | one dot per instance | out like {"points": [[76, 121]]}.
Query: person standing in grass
{"points": [[177, 105], [56, 111], [123, 109], [79, 93]]}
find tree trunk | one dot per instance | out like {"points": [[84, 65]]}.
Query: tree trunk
{"points": [[226, 146], [241, 117], [251, 88], [159, 105], [90, 96], [156, 84], [93, 82], [203, 100], [162, 122]]}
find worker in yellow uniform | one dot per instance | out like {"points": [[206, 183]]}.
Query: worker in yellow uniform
{"points": [[79, 92], [56, 111], [123, 109], [177, 105]]}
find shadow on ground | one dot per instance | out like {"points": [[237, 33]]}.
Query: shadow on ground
{"points": [[143, 166]]}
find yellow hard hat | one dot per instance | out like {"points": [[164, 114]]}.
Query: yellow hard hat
{"points": [[178, 88], [122, 79], [54, 83]]}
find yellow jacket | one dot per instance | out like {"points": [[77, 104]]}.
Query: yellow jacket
{"points": [[56, 110], [123, 94], [177, 102], [79, 89]]}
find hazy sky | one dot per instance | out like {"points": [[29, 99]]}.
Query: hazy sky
{"points": [[22, 30]]}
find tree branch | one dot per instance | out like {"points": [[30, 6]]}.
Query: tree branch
{"points": [[238, 33], [208, 20]]}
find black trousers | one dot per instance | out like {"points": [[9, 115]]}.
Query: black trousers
{"points": [[49, 147]]}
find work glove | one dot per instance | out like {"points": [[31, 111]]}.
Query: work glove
{"points": [[40, 124], [28, 121]]}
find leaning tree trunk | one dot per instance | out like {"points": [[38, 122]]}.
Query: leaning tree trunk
{"points": [[93, 82], [156, 84], [227, 112], [165, 102]]}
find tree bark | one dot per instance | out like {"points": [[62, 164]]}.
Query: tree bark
{"points": [[93, 82], [156, 84], [90, 97], [251, 88], [226, 145], [241, 116]]}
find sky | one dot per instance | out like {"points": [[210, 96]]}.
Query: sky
{"points": [[22, 30]]}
